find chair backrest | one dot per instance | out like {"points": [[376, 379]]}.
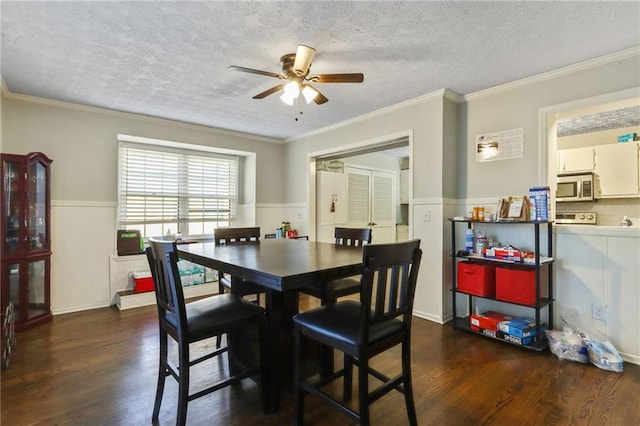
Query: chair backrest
{"points": [[236, 235], [163, 261], [389, 283], [353, 236]]}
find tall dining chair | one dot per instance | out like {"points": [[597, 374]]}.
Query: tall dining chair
{"points": [[193, 322], [364, 329], [229, 236], [345, 286]]}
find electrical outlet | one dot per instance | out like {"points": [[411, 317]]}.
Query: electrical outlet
{"points": [[599, 312]]}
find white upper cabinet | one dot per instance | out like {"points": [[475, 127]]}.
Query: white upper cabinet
{"points": [[576, 160], [617, 170]]}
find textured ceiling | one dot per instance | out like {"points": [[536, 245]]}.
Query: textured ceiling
{"points": [[597, 122], [170, 59]]}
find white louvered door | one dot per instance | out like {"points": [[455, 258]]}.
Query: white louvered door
{"points": [[370, 202]]}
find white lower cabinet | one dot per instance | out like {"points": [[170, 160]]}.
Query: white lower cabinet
{"points": [[402, 232], [601, 268]]}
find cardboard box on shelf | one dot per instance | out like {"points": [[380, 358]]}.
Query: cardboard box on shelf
{"points": [[519, 340], [541, 208], [488, 321], [520, 327], [504, 253]]}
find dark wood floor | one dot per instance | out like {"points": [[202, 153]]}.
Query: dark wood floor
{"points": [[99, 368]]}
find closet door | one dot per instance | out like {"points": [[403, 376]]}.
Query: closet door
{"points": [[382, 207], [370, 202], [358, 197]]}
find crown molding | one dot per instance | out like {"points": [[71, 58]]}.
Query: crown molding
{"points": [[441, 93], [139, 117], [570, 69]]}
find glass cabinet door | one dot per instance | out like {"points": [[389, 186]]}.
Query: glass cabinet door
{"points": [[12, 206], [37, 288], [37, 205], [13, 279]]}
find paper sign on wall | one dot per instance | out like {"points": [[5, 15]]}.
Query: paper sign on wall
{"points": [[502, 145]]}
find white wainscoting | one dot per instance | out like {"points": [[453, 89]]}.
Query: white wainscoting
{"points": [[82, 239], [428, 222], [84, 274]]}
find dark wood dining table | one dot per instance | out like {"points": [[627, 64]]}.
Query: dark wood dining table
{"points": [[282, 267]]}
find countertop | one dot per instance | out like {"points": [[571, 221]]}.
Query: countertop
{"points": [[617, 231]]}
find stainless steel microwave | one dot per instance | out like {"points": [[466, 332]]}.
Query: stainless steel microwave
{"points": [[575, 187]]}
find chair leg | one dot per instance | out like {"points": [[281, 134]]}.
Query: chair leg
{"points": [[407, 384], [220, 291], [363, 388], [183, 383], [326, 366], [348, 378], [298, 396], [162, 375], [265, 367]]}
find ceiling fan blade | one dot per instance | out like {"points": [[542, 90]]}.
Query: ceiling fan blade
{"points": [[304, 56], [320, 98], [337, 78], [268, 92], [252, 71]]}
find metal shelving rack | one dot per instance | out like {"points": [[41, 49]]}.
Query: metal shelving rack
{"points": [[540, 262]]}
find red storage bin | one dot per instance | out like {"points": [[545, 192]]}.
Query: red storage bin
{"points": [[476, 278], [518, 285]]}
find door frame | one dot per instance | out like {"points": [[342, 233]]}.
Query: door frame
{"points": [[378, 144]]}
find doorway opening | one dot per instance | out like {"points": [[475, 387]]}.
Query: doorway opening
{"points": [[554, 136], [390, 152]]}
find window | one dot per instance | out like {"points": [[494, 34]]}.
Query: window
{"points": [[164, 189]]}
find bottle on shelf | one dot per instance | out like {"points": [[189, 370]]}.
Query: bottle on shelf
{"points": [[468, 239], [481, 242]]}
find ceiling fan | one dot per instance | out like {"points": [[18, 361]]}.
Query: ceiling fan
{"points": [[295, 69]]}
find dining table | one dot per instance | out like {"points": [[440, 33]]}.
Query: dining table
{"points": [[282, 267]]}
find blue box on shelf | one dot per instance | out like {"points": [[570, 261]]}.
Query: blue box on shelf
{"points": [[540, 197], [520, 327]]}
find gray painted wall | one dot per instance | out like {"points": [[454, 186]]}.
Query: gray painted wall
{"points": [[424, 117], [518, 107], [83, 144]]}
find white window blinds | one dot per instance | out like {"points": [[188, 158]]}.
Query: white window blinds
{"points": [[164, 189]]}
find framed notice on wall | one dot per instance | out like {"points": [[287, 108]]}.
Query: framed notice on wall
{"points": [[502, 145]]}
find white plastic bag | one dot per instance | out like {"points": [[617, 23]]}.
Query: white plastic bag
{"points": [[601, 351], [568, 344]]}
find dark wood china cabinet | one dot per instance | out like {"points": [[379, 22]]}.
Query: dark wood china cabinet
{"points": [[26, 237]]}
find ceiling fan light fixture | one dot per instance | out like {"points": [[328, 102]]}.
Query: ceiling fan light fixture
{"points": [[292, 89], [287, 99], [309, 94]]}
